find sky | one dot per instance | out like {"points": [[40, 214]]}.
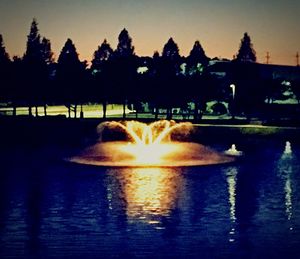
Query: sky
{"points": [[219, 25]]}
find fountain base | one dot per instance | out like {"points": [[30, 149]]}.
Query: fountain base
{"points": [[126, 154]]}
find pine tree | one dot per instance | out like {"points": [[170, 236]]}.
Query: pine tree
{"points": [[101, 55], [101, 74], [197, 59], [35, 60], [4, 57], [168, 72], [47, 54], [124, 48], [70, 73], [171, 50], [125, 66], [246, 52], [4, 71], [33, 48], [68, 55]]}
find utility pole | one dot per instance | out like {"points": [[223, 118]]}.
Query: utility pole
{"points": [[297, 58], [267, 57]]}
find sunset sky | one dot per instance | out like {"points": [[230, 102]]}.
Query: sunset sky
{"points": [[273, 25]]}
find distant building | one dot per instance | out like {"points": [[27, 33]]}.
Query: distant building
{"points": [[222, 68]]}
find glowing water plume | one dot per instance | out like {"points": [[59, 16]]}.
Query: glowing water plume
{"points": [[287, 148], [147, 145], [233, 151], [141, 133]]}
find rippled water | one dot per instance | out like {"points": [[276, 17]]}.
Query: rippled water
{"points": [[250, 209]]}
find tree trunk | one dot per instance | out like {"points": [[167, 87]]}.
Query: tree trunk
{"points": [[81, 112], [69, 110], [36, 111], [14, 111], [196, 111], [30, 110], [156, 112], [136, 112], [104, 106], [75, 111], [169, 113], [45, 109], [124, 109]]}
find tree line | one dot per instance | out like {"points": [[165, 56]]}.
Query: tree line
{"points": [[165, 80]]}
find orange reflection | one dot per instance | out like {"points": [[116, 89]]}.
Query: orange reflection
{"points": [[150, 192]]}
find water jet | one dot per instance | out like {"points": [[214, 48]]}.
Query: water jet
{"points": [[287, 148], [233, 151], [148, 145]]}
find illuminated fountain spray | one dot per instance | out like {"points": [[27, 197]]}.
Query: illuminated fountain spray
{"points": [[148, 145], [233, 151], [288, 148]]}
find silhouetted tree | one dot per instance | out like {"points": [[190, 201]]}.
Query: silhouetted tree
{"points": [[171, 50], [4, 71], [168, 68], [33, 46], [17, 89], [100, 73], [197, 59], [47, 53], [101, 55], [124, 48], [249, 93], [4, 57], [70, 74], [124, 64], [273, 89], [246, 52], [35, 60]]}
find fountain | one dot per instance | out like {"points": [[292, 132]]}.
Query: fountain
{"points": [[145, 145], [288, 148], [233, 151]]}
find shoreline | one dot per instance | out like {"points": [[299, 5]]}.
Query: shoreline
{"points": [[37, 130]]}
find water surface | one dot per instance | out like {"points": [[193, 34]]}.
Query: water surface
{"points": [[53, 209]]}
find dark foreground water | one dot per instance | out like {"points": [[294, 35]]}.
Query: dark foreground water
{"points": [[52, 209]]}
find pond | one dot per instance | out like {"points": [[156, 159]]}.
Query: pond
{"points": [[248, 209]]}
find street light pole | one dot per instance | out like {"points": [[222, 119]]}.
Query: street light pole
{"points": [[232, 86]]}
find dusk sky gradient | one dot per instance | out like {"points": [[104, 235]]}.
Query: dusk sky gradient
{"points": [[273, 25]]}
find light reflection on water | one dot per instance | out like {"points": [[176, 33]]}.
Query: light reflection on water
{"points": [[248, 209], [231, 173], [148, 193], [286, 171]]}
